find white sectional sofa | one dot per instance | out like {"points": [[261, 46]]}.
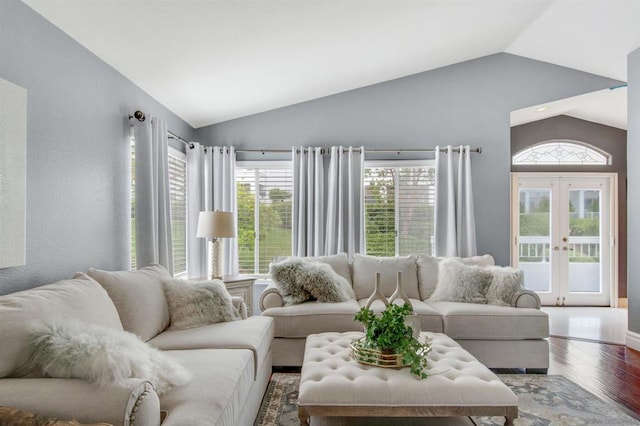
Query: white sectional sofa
{"points": [[230, 362], [512, 336]]}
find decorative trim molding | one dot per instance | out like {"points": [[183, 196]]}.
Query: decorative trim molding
{"points": [[633, 340]]}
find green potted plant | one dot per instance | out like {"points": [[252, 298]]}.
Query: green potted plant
{"points": [[389, 341]]}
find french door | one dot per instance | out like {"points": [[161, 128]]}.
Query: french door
{"points": [[564, 229]]}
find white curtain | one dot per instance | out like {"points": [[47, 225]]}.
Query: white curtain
{"points": [[345, 201], [198, 199], [308, 202], [223, 169], [152, 209], [455, 229], [211, 185]]}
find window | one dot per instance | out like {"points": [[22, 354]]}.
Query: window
{"points": [[561, 152], [399, 207], [264, 214], [178, 206]]}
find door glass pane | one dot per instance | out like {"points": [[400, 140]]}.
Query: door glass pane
{"points": [[584, 241], [534, 241]]}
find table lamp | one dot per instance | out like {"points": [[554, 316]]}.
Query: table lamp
{"points": [[215, 225]]}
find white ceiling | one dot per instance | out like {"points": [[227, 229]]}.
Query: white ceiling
{"points": [[606, 106], [213, 60]]}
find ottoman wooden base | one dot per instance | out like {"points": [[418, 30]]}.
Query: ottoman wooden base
{"points": [[333, 384]]}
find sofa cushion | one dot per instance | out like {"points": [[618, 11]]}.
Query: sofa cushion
{"points": [[254, 333], [101, 355], [221, 384], [298, 321], [430, 319], [80, 299], [427, 275], [197, 303], [339, 262], [365, 268], [139, 298], [483, 260], [505, 284], [428, 270], [461, 283], [490, 322]]}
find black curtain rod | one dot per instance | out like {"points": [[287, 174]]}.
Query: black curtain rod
{"points": [[139, 115], [179, 139], [383, 151]]}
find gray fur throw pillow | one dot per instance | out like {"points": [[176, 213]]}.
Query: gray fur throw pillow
{"points": [[100, 355], [197, 303], [461, 283], [300, 280], [506, 282]]}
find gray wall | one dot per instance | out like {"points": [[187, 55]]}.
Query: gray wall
{"points": [[466, 103], [633, 190], [77, 149], [609, 139]]}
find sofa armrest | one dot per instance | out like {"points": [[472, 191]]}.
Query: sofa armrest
{"points": [[526, 299], [271, 298], [134, 403], [238, 303]]}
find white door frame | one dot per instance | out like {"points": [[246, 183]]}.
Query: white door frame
{"points": [[613, 220]]}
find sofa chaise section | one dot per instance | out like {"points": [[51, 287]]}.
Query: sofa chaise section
{"points": [[230, 362]]}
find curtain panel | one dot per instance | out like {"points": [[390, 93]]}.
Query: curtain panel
{"points": [[152, 209], [198, 199], [454, 223], [308, 201], [223, 169], [328, 203], [211, 177], [345, 201]]}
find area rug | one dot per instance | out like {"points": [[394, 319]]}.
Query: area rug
{"points": [[542, 400]]}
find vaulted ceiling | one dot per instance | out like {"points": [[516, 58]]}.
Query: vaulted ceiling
{"points": [[214, 60]]}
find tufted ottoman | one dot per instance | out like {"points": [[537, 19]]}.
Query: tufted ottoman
{"points": [[333, 384]]}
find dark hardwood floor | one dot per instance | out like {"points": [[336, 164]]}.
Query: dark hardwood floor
{"points": [[612, 372]]}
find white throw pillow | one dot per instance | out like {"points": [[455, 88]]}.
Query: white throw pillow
{"points": [[198, 303], [505, 283], [100, 355], [301, 279], [428, 269], [461, 283]]}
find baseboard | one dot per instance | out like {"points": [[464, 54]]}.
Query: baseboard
{"points": [[633, 340], [623, 302]]}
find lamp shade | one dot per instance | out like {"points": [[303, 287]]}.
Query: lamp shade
{"points": [[215, 225]]}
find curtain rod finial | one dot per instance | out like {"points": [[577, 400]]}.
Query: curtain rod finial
{"points": [[138, 115]]}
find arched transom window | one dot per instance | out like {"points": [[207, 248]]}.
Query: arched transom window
{"points": [[561, 152]]}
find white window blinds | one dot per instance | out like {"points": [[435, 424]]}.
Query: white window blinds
{"points": [[178, 206], [399, 201], [264, 215]]}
